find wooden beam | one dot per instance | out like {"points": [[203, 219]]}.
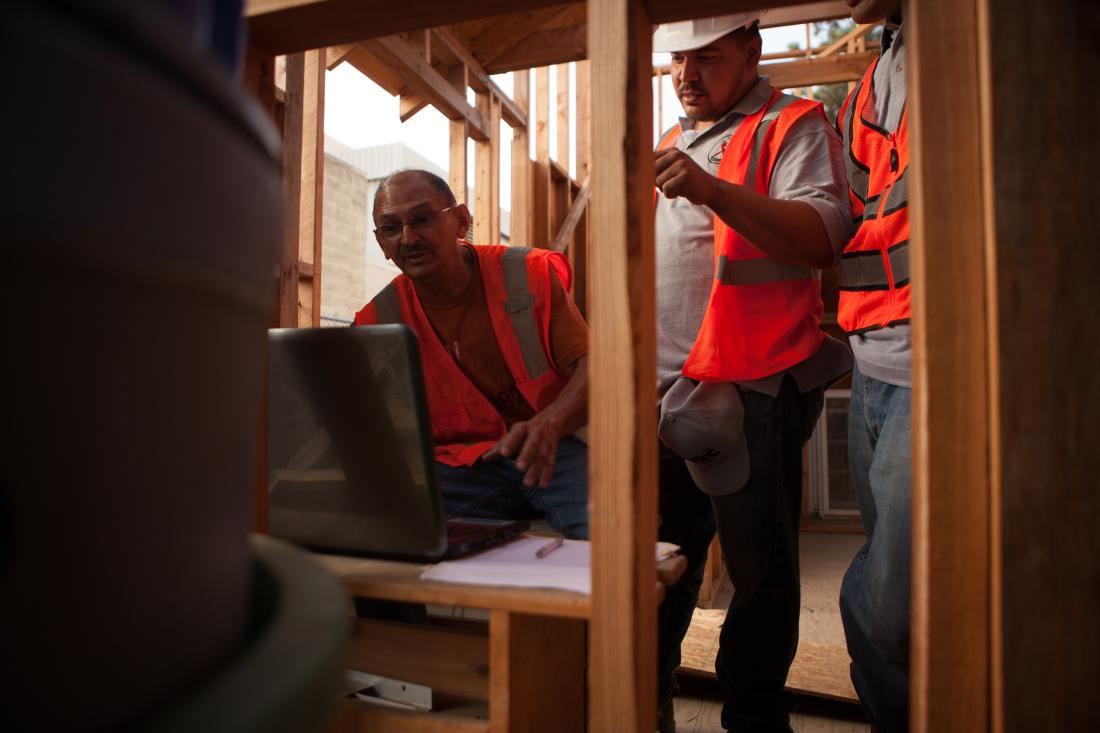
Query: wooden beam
{"points": [[509, 31], [460, 132], [528, 657], [494, 163], [422, 78], [544, 48], [520, 232], [951, 420], [335, 55], [583, 102], [312, 187], [378, 71], [622, 372], [479, 78], [561, 148], [858, 32], [295, 139], [576, 211], [285, 26], [483, 179], [780, 12], [1046, 510], [540, 186], [827, 70], [449, 660], [409, 104]]}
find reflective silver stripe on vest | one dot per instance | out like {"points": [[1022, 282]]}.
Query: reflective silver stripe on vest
{"points": [[896, 198], [386, 307], [520, 307], [867, 270], [858, 179], [784, 101], [762, 270]]}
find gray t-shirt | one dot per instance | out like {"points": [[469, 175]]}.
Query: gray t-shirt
{"points": [[809, 168], [884, 354]]}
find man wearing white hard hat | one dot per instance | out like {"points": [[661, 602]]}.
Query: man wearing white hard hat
{"points": [[751, 201]]}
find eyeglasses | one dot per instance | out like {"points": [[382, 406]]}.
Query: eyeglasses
{"points": [[419, 222]]}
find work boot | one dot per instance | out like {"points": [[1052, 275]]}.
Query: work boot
{"points": [[666, 717]]}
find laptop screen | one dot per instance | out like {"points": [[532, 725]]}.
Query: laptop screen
{"points": [[350, 450]]}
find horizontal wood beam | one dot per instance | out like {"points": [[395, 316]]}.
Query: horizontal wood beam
{"points": [[448, 660], [780, 12], [509, 31], [544, 48], [479, 78], [858, 32], [828, 70], [283, 26], [423, 79]]}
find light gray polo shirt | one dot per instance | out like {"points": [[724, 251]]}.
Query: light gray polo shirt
{"points": [[884, 354], [810, 168]]}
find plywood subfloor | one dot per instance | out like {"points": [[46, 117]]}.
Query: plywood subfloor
{"points": [[821, 665]]}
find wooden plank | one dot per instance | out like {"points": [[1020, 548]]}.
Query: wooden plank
{"points": [[951, 421], [409, 104], [561, 147], [449, 660], [483, 180], [583, 119], [375, 69], [530, 656], [521, 165], [311, 200], [363, 717], [843, 42], [460, 132], [421, 77], [543, 48], [1041, 197], [827, 70], [295, 139], [540, 189], [284, 26], [782, 12], [400, 581], [494, 165], [512, 113], [576, 211], [509, 31], [335, 55], [622, 372]]}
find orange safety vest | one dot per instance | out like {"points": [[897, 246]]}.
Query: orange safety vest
{"points": [[763, 316], [874, 268], [517, 290]]}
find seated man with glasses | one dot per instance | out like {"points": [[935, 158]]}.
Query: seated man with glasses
{"points": [[504, 352]]}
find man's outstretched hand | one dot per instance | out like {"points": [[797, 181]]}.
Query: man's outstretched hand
{"points": [[535, 443]]}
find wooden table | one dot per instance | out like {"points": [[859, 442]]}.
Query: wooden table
{"points": [[524, 671]]}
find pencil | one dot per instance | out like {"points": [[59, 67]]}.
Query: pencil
{"points": [[549, 547]]}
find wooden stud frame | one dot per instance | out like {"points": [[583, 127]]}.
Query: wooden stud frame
{"points": [[622, 369]]}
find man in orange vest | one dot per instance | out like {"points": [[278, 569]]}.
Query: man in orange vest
{"points": [[750, 201], [504, 352], [874, 310]]}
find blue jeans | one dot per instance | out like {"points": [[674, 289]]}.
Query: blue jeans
{"points": [[875, 594], [758, 530], [495, 490]]}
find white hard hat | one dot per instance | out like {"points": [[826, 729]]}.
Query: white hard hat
{"points": [[688, 35]]}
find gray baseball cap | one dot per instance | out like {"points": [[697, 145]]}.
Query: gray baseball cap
{"points": [[703, 423]]}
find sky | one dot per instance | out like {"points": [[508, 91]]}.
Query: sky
{"points": [[358, 113]]}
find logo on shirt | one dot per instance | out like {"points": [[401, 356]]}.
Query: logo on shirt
{"points": [[718, 149]]}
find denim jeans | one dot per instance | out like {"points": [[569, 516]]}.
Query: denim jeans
{"points": [[495, 490], [874, 595], [758, 530]]}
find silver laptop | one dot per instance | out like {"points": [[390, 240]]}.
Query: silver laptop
{"points": [[350, 451]]}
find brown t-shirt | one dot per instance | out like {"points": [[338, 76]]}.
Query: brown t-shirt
{"points": [[466, 331]]}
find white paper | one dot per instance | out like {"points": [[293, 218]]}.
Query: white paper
{"points": [[514, 564]]}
